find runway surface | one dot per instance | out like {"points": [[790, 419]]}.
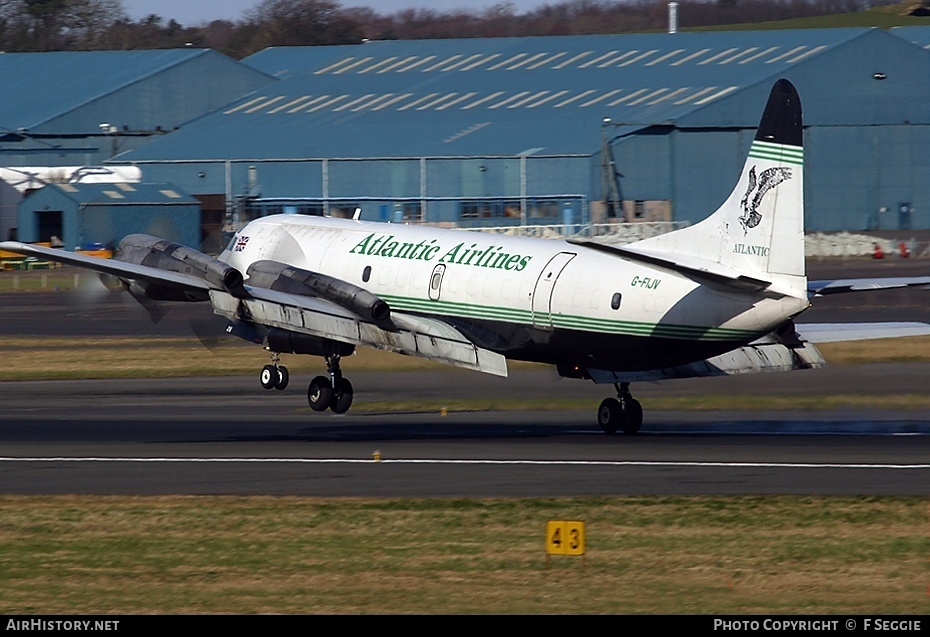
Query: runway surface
{"points": [[228, 436]]}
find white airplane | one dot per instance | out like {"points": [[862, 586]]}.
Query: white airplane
{"points": [[719, 297]]}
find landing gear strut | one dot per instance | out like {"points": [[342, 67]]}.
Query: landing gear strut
{"points": [[274, 376], [623, 412], [334, 393]]}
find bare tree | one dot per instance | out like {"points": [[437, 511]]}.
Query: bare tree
{"points": [[300, 23], [41, 25], [86, 21], [47, 25], [151, 32]]}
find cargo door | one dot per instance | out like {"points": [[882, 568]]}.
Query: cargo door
{"points": [[545, 286]]}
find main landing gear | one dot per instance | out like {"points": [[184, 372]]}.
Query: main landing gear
{"points": [[333, 392], [623, 412]]}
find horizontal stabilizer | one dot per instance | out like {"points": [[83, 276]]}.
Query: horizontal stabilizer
{"points": [[842, 286], [702, 270], [840, 332]]}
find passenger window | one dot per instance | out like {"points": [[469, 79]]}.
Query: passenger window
{"points": [[615, 300], [366, 273]]}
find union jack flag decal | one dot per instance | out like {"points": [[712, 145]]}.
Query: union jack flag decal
{"points": [[240, 243]]}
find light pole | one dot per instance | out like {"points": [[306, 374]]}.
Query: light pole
{"points": [[610, 181], [613, 193]]}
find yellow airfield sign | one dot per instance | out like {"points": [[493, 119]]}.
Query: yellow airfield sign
{"points": [[564, 537]]}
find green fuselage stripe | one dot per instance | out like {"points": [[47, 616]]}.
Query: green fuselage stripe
{"points": [[569, 321]]}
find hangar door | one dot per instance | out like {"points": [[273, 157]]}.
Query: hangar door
{"points": [[49, 225]]}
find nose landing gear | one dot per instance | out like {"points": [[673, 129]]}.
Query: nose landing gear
{"points": [[621, 413]]}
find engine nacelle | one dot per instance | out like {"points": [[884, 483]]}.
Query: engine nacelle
{"points": [[143, 249], [284, 278]]}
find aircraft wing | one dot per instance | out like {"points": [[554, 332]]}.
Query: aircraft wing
{"points": [[121, 269], [324, 307], [842, 286], [408, 334]]}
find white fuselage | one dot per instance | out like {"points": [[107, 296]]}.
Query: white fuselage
{"points": [[534, 299]]}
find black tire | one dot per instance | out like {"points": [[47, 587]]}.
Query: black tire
{"points": [[320, 393], [269, 376], [610, 416], [342, 396], [283, 378], [634, 416]]}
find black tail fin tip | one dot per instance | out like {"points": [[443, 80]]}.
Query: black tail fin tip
{"points": [[781, 121]]}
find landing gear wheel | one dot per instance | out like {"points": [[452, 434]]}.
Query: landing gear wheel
{"points": [[342, 396], [634, 416], [269, 377], [623, 412], [320, 393], [283, 378], [610, 416]]}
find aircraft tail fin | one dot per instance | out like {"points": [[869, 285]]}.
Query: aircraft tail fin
{"points": [[759, 229]]}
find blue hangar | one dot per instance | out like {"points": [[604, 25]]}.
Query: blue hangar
{"points": [[560, 129]]}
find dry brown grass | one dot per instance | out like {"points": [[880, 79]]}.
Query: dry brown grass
{"points": [[887, 350], [51, 357], [306, 555]]}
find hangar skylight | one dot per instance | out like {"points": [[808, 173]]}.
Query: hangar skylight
{"points": [[457, 100], [636, 58], [554, 60], [398, 63]]}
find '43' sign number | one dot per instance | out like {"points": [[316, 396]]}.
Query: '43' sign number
{"points": [[564, 537]]}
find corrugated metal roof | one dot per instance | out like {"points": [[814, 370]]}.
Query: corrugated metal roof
{"points": [[44, 86], [125, 193], [494, 96], [917, 35], [543, 53]]}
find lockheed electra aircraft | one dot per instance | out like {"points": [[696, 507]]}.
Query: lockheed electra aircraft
{"points": [[718, 297]]}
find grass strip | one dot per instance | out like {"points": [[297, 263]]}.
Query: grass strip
{"points": [[648, 555], [89, 357]]}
